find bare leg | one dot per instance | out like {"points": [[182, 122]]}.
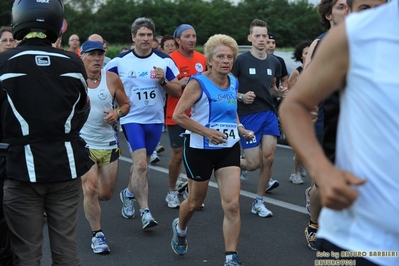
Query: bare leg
{"points": [[195, 198], [228, 180], [138, 183], [269, 144], [175, 167], [98, 184], [315, 204]]}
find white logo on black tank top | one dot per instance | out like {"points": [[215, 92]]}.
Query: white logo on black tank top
{"points": [[42, 60]]}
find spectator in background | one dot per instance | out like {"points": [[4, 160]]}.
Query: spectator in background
{"points": [[123, 50], [155, 44], [299, 55], [159, 38], [106, 58], [168, 44], [271, 47], [7, 40], [74, 44]]}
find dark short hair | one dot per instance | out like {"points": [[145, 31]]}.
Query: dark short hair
{"points": [[297, 54], [257, 23], [349, 3], [165, 38], [325, 8], [142, 22]]}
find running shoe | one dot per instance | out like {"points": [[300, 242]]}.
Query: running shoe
{"points": [[99, 244], [244, 175], [272, 184], [128, 210], [159, 148], [259, 208], [235, 261], [181, 185], [179, 242], [296, 178], [311, 235], [307, 199], [302, 170], [172, 198], [147, 220], [154, 158]]}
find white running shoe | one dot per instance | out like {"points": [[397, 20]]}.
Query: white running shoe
{"points": [[244, 175], [154, 158], [147, 220], [159, 148], [172, 198], [99, 244], [302, 170], [296, 178], [272, 184], [128, 210], [181, 185], [259, 208]]}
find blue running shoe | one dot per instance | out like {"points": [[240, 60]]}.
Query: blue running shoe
{"points": [[235, 261], [179, 243], [99, 244]]}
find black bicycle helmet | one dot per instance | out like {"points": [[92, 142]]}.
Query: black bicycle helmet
{"points": [[37, 15]]}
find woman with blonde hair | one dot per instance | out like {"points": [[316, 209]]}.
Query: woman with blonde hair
{"points": [[212, 143]]}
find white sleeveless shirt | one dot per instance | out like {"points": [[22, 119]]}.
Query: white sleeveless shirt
{"points": [[96, 132], [367, 137]]}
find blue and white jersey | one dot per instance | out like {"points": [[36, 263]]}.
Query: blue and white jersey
{"points": [[216, 109], [147, 97]]}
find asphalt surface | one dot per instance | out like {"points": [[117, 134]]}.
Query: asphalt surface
{"points": [[278, 240]]}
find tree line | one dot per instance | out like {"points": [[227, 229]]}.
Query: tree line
{"points": [[290, 21]]}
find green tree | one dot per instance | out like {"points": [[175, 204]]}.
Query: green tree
{"points": [[5, 12]]}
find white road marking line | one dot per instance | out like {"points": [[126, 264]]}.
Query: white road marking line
{"points": [[244, 193]]}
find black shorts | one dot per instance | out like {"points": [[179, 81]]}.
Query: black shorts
{"points": [[175, 138], [200, 163]]}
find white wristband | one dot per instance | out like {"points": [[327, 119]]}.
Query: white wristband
{"points": [[240, 125]]}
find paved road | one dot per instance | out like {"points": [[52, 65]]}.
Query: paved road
{"points": [[264, 241]]}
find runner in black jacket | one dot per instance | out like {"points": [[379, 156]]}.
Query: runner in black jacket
{"points": [[45, 106]]}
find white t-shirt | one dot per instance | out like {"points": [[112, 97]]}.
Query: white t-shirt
{"points": [[367, 137], [147, 97]]}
